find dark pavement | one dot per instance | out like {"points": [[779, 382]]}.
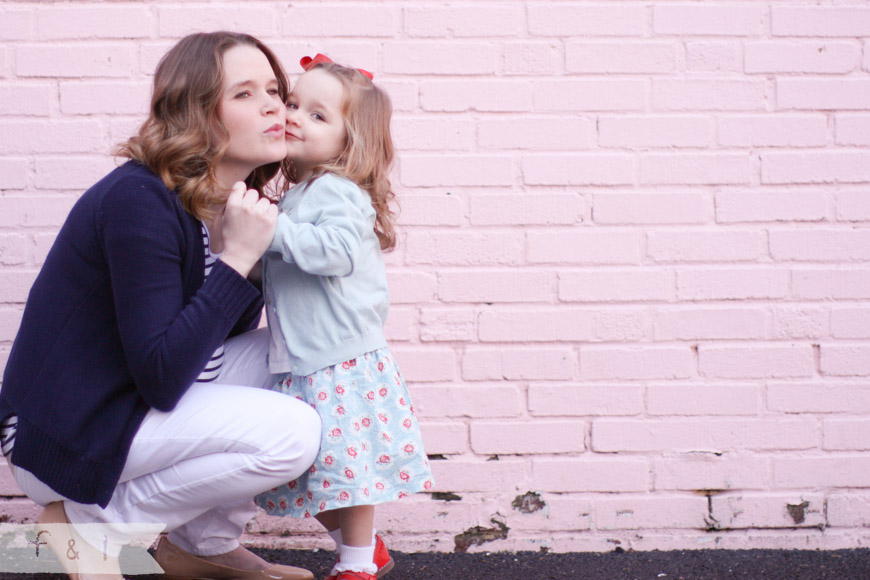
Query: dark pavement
{"points": [[675, 565]]}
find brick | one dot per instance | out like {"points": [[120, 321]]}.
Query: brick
{"points": [[444, 438], [517, 363], [703, 399], [846, 434], [781, 130], [478, 401], [543, 133], [713, 56], [579, 169], [820, 21], [621, 325], [733, 512], [756, 361], [701, 472], [583, 96], [559, 513], [523, 209], [10, 320], [487, 95], [33, 210], [459, 475], [585, 247], [88, 22], [585, 399], [75, 61], [464, 248], [431, 210], [816, 167], [432, 134], [401, 324], [527, 438], [850, 322], [708, 95], [4, 61], [845, 360], [852, 206], [684, 20], [849, 509], [651, 208], [71, 172], [430, 364], [56, 136], [634, 363], [826, 283], [447, 325], [653, 131], [179, 20], [496, 286], [620, 57], [853, 129], [703, 434], [800, 57], [557, 19], [18, 23], [732, 284], [848, 470], [27, 99], [638, 513], [410, 287], [822, 93], [15, 176], [531, 58], [16, 285], [462, 21], [440, 58], [707, 245], [820, 245], [113, 98], [616, 285], [771, 206], [536, 325], [799, 322], [709, 323], [447, 170], [340, 19], [586, 474], [699, 168], [15, 249]]}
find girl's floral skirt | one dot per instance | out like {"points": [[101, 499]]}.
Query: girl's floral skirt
{"points": [[371, 449]]}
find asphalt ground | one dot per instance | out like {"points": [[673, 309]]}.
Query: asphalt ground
{"points": [[673, 565]]}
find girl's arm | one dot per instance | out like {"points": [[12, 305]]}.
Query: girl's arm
{"points": [[323, 237]]}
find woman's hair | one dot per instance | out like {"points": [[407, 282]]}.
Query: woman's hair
{"points": [[368, 149], [184, 139]]}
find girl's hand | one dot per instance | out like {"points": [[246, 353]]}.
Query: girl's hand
{"points": [[248, 228]]}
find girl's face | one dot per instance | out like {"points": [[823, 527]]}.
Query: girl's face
{"points": [[315, 125], [252, 112]]}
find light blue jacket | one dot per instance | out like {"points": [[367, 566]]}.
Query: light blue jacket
{"points": [[324, 278]]}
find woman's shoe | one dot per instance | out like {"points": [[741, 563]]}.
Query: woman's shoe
{"points": [[383, 560], [88, 563], [180, 565]]}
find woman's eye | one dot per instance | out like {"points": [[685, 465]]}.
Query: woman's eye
{"points": [[243, 95]]}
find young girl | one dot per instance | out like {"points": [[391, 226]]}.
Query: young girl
{"points": [[327, 299]]}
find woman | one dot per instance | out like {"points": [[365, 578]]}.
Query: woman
{"points": [[121, 402]]}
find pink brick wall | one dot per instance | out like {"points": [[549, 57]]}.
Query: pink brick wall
{"points": [[632, 294]]}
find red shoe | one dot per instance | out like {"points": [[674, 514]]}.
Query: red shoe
{"points": [[352, 575], [383, 560]]}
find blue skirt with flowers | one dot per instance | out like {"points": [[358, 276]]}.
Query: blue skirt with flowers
{"points": [[371, 449]]}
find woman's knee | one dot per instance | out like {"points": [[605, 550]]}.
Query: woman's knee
{"points": [[296, 433]]}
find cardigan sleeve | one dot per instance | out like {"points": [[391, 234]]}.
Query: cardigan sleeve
{"points": [[323, 236], [166, 339]]}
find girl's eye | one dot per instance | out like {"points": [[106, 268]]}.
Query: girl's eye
{"points": [[293, 106], [317, 116]]}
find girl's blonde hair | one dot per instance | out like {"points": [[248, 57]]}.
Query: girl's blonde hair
{"points": [[368, 150], [183, 139]]}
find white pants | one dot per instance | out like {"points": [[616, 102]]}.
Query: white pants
{"points": [[196, 468]]}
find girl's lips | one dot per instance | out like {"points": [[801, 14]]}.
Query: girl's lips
{"points": [[275, 130]]}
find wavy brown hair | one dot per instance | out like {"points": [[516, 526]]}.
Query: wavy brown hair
{"points": [[368, 149], [183, 139]]}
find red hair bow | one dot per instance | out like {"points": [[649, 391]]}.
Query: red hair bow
{"points": [[308, 63]]}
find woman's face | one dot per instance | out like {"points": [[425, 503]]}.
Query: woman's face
{"points": [[252, 112]]}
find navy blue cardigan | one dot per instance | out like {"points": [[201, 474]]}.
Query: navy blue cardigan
{"points": [[118, 321]]}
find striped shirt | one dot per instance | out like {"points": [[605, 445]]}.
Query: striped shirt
{"points": [[213, 367]]}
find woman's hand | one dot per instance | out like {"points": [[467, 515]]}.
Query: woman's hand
{"points": [[248, 228]]}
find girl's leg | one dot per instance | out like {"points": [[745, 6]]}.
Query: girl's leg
{"points": [[357, 548]]}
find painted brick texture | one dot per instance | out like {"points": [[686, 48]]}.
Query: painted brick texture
{"points": [[632, 290]]}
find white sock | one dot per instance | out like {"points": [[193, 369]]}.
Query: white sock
{"points": [[336, 537], [357, 558], [374, 533]]}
